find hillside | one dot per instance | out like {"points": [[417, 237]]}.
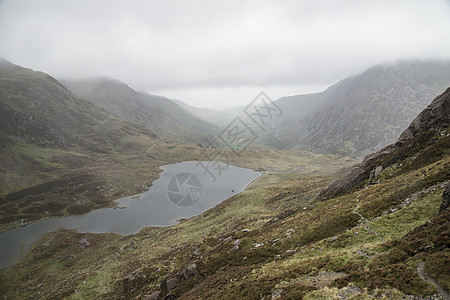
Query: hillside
{"points": [[56, 149], [361, 114], [383, 239], [160, 114]]}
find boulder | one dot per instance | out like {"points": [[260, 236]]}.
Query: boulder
{"points": [[378, 171], [235, 246], [190, 271], [153, 296], [127, 284], [196, 251], [445, 199], [171, 283]]}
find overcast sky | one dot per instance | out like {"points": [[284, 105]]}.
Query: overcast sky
{"points": [[220, 53]]}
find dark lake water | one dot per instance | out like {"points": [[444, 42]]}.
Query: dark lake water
{"points": [[182, 191]]}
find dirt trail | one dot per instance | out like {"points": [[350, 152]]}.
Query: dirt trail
{"points": [[364, 222], [426, 277]]}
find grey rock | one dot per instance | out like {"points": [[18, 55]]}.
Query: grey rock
{"points": [[277, 294], [235, 246], [190, 271], [228, 239], [196, 251], [378, 171], [171, 283], [153, 296]]}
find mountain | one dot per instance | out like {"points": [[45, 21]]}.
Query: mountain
{"points": [[160, 114], [35, 108], [363, 113], [425, 141], [58, 151]]}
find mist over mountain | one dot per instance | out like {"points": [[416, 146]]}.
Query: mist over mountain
{"points": [[161, 115], [363, 113], [35, 108]]}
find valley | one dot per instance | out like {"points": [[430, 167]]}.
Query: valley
{"points": [[319, 223]]}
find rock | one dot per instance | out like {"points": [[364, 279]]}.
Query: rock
{"points": [[257, 245], [171, 283], [378, 171], [371, 176], [190, 271], [235, 245], [289, 232], [277, 294], [228, 239], [445, 199], [127, 284], [437, 114], [128, 281], [153, 296], [196, 251]]}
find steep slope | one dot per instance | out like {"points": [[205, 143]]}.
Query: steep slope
{"points": [[37, 109], [160, 114], [56, 150], [421, 143], [366, 112]]}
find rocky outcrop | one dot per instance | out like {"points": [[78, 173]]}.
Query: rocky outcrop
{"points": [[235, 245], [153, 296], [169, 283], [129, 282], [190, 271], [436, 116], [445, 199]]}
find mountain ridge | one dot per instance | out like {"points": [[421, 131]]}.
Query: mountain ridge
{"points": [[159, 114], [433, 118], [365, 112]]}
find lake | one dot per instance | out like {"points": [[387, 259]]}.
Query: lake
{"points": [[183, 190]]}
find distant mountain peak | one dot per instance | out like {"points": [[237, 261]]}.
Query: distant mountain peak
{"points": [[417, 138], [363, 113]]}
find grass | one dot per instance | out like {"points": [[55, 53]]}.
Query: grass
{"points": [[364, 244], [52, 182]]}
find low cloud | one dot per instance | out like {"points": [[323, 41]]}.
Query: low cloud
{"points": [[207, 46]]}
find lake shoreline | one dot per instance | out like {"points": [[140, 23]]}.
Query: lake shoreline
{"points": [[153, 208]]}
